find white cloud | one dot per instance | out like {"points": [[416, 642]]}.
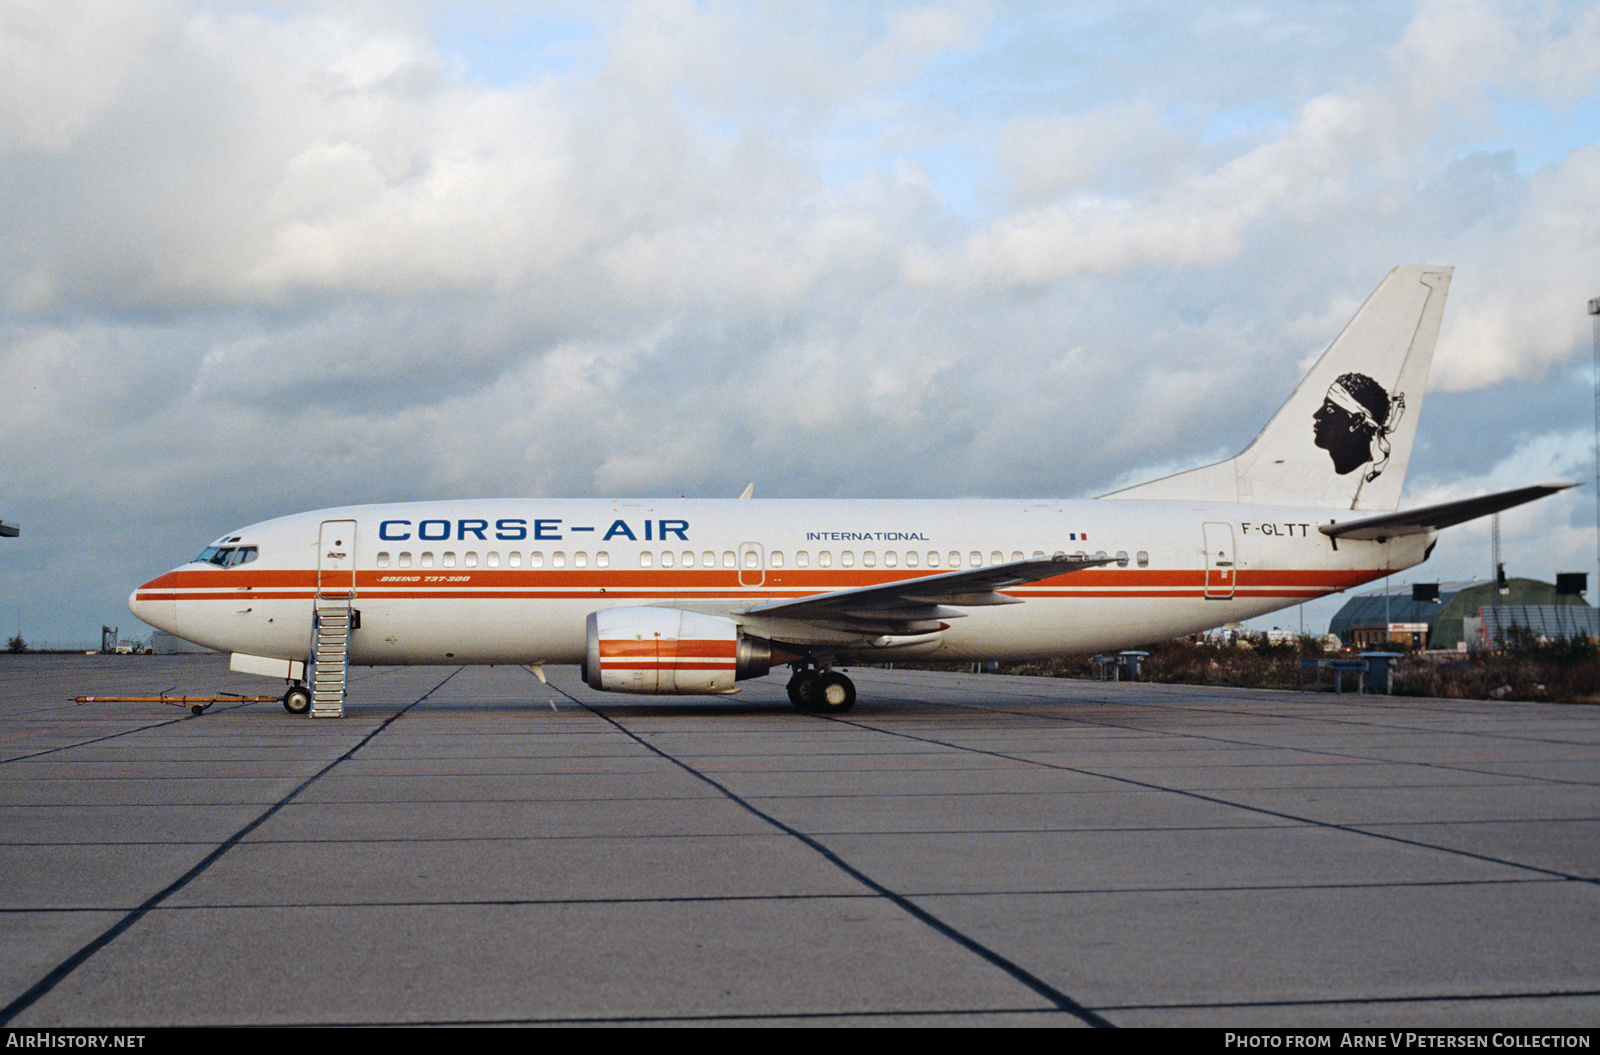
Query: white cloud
{"points": [[918, 34], [64, 63], [1518, 305]]}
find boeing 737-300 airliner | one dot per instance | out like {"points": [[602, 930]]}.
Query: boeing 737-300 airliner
{"points": [[675, 596]]}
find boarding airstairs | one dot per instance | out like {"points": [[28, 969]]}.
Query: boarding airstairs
{"points": [[330, 649], [333, 617]]}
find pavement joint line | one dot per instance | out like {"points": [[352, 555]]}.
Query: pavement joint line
{"points": [[612, 836], [1061, 1000], [623, 1020], [1360, 1001], [62, 970], [1345, 755], [683, 899], [1285, 716], [1215, 800], [101, 739], [1306, 888]]}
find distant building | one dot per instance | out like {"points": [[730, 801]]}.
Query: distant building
{"points": [[1508, 625], [1367, 620], [1382, 637]]}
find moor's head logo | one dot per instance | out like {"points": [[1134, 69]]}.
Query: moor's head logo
{"points": [[1354, 423]]}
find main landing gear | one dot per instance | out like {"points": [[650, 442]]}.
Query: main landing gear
{"points": [[821, 691], [297, 700]]}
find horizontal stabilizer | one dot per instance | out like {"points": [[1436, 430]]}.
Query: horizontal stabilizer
{"points": [[1432, 518]]}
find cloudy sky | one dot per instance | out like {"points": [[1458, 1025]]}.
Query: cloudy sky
{"points": [[265, 257]]}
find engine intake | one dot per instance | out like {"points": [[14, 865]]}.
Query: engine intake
{"points": [[667, 651]]}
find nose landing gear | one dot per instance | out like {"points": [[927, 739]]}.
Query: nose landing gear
{"points": [[297, 700]]}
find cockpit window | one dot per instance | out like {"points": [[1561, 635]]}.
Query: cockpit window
{"points": [[227, 556]]}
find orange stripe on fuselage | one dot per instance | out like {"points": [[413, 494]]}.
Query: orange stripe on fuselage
{"points": [[804, 581], [234, 584]]}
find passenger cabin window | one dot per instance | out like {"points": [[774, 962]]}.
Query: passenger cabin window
{"points": [[975, 559], [405, 558], [824, 559], [449, 559], [869, 559], [802, 559], [847, 559], [383, 560], [536, 559], [492, 559], [470, 558], [514, 559], [558, 559], [1122, 558], [427, 558], [775, 558], [602, 559], [646, 558], [1143, 558]]}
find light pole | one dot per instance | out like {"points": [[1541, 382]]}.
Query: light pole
{"points": [[1594, 310]]}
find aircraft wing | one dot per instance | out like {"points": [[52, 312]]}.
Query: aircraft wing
{"points": [[911, 607], [1443, 515]]}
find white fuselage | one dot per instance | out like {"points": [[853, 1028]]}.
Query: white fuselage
{"points": [[513, 580]]}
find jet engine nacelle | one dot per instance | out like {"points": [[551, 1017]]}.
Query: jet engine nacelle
{"points": [[664, 651]]}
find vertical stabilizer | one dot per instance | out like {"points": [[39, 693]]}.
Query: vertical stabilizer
{"points": [[1343, 439]]}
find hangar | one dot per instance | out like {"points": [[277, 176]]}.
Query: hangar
{"points": [[1396, 616]]}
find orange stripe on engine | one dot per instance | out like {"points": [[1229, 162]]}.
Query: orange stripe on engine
{"points": [[628, 647], [673, 665]]}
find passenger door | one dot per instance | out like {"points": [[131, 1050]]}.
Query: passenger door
{"points": [[1220, 570], [336, 558]]}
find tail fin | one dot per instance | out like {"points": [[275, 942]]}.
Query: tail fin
{"points": [[1343, 439]]}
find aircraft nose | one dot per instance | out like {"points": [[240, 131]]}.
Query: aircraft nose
{"points": [[160, 612]]}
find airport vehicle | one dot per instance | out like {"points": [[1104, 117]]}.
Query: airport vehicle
{"points": [[679, 596]]}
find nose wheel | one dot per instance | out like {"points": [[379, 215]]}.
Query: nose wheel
{"points": [[297, 700], [821, 691]]}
